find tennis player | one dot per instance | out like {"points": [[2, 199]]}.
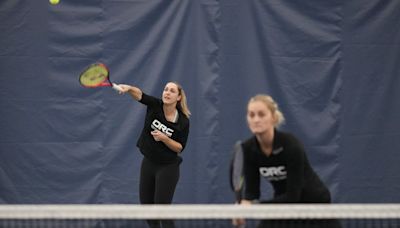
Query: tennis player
{"points": [[279, 158], [163, 138]]}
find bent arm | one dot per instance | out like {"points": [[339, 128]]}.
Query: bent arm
{"points": [[173, 145], [170, 143]]}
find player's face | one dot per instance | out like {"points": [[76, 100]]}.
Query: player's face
{"points": [[171, 93], [259, 117]]}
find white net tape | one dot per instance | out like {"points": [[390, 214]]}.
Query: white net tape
{"points": [[201, 211]]}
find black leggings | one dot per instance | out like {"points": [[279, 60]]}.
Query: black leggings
{"points": [[157, 186]]}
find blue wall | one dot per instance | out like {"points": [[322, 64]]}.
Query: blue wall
{"points": [[333, 66]]}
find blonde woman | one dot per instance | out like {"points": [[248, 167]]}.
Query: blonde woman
{"points": [[163, 138], [279, 158]]}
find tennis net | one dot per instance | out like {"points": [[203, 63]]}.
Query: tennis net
{"points": [[200, 215]]}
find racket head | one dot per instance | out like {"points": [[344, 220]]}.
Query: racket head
{"points": [[237, 170], [95, 75]]}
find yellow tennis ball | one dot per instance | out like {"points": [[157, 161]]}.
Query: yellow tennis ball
{"points": [[54, 2]]}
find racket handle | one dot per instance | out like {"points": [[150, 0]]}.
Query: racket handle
{"points": [[117, 87]]}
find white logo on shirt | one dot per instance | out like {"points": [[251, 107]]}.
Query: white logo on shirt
{"points": [[157, 125], [273, 173]]}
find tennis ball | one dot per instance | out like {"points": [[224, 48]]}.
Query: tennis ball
{"points": [[54, 2]]}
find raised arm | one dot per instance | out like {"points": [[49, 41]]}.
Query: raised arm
{"points": [[134, 91]]}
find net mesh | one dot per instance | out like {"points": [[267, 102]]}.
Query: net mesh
{"points": [[286, 215]]}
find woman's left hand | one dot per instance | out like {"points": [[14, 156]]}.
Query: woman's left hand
{"points": [[158, 135]]}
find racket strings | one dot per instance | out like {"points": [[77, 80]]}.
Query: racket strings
{"points": [[95, 75]]}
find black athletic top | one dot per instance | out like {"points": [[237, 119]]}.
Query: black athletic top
{"points": [[287, 169], [157, 151]]}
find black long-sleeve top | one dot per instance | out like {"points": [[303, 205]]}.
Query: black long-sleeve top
{"points": [[287, 169], [157, 151]]}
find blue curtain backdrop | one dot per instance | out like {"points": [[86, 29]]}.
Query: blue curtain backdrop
{"points": [[333, 67]]}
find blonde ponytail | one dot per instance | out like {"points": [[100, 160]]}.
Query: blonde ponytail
{"points": [[183, 102]]}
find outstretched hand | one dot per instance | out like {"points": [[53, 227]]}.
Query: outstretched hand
{"points": [[122, 88]]}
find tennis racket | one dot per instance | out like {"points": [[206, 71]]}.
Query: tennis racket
{"points": [[236, 171], [97, 75], [237, 179]]}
